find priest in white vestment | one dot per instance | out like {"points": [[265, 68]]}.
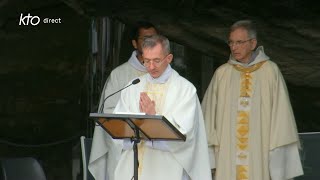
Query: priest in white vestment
{"points": [[163, 91], [249, 121], [118, 78]]}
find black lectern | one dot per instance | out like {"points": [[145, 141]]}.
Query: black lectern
{"points": [[137, 127]]}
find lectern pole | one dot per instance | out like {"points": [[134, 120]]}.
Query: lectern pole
{"points": [[125, 126], [136, 140]]}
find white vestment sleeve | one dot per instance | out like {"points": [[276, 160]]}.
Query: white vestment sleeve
{"points": [[160, 145], [98, 159], [285, 162], [127, 144], [212, 157]]}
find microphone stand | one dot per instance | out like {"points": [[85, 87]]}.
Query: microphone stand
{"points": [[136, 81], [135, 139]]}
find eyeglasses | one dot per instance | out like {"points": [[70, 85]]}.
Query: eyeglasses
{"points": [[156, 62], [237, 43]]}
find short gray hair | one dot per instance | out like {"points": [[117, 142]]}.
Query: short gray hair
{"points": [[247, 25], [152, 41]]}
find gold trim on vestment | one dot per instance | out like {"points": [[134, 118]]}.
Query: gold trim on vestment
{"points": [[141, 150], [243, 118], [248, 69], [157, 93]]}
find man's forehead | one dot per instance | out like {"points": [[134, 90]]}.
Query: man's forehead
{"points": [[155, 51], [238, 33], [147, 31]]}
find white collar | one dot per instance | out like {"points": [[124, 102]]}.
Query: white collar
{"points": [[257, 56], [135, 63], [163, 78]]}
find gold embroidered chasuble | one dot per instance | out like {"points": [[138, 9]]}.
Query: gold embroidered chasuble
{"points": [[247, 115], [243, 117]]}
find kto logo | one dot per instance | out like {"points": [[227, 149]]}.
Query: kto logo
{"points": [[26, 20]]}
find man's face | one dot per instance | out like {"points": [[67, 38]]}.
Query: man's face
{"points": [[155, 60], [241, 46], [137, 44]]}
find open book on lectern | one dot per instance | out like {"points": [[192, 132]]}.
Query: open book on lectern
{"points": [[150, 127]]}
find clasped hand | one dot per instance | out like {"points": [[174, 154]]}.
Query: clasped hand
{"points": [[146, 105]]}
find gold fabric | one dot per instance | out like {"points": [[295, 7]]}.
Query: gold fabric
{"points": [[247, 114]]}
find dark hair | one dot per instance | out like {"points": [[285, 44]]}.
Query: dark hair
{"points": [[140, 25]]}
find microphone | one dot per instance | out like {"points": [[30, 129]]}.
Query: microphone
{"points": [[136, 81]]}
